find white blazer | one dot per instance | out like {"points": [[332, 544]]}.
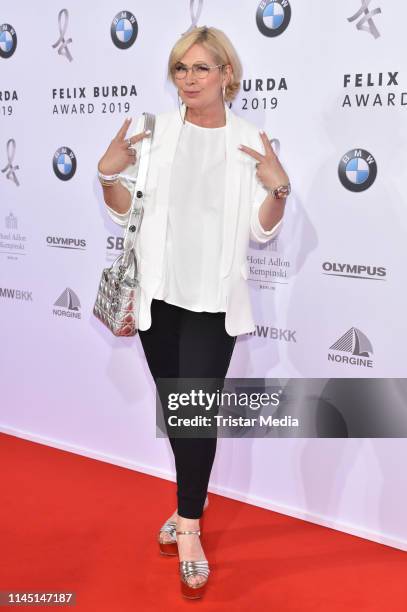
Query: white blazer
{"points": [[243, 196]]}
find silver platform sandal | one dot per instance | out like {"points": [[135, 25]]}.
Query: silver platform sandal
{"points": [[169, 547], [193, 568]]}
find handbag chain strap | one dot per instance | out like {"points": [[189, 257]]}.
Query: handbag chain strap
{"points": [[136, 206]]}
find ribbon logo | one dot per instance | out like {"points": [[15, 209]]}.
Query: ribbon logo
{"points": [[366, 22], [195, 15], [9, 169], [63, 25]]}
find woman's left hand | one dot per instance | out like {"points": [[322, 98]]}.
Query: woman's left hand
{"points": [[269, 170]]}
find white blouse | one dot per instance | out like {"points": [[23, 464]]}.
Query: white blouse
{"points": [[195, 221]]}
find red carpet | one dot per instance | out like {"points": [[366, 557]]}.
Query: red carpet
{"points": [[69, 523]]}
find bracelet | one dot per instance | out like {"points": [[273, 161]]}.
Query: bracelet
{"points": [[108, 179], [280, 192], [108, 183]]}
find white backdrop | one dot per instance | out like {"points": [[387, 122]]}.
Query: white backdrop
{"points": [[69, 383]]}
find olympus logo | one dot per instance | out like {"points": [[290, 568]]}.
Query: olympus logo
{"points": [[331, 268], [60, 242]]}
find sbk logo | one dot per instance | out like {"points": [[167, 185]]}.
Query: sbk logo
{"points": [[16, 294], [115, 243]]}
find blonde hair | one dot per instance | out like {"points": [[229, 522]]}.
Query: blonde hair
{"points": [[219, 45]]}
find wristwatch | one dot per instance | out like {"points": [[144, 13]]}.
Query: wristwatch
{"points": [[282, 191]]}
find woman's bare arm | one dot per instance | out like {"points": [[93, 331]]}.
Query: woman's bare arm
{"points": [[117, 197], [116, 158]]}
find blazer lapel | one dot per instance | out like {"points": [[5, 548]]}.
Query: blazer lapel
{"points": [[166, 150], [232, 192]]}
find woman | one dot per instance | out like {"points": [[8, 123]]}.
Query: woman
{"points": [[209, 189]]}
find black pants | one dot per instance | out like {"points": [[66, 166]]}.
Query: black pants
{"points": [[183, 343]]}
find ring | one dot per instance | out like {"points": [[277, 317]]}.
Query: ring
{"points": [[128, 143], [258, 164]]}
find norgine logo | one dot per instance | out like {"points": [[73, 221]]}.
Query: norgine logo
{"points": [[357, 346]]}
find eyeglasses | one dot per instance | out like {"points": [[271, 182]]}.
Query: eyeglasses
{"points": [[201, 71]]}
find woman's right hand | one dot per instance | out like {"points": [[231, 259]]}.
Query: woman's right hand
{"points": [[118, 156]]}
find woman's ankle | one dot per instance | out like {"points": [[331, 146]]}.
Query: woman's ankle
{"points": [[193, 523]]}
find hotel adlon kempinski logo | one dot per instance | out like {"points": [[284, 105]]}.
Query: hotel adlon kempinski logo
{"points": [[267, 267]]}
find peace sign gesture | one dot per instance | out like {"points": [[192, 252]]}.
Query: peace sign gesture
{"points": [[269, 170], [120, 152]]}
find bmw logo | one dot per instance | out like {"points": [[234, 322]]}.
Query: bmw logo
{"points": [[64, 163], [357, 170], [124, 29], [8, 40], [273, 17]]}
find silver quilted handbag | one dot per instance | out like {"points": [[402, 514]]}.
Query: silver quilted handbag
{"points": [[118, 299]]}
